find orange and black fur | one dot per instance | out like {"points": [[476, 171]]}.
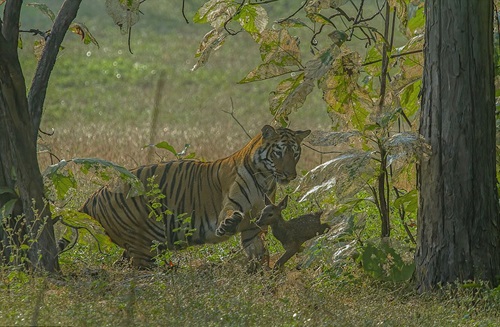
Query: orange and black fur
{"points": [[220, 197]]}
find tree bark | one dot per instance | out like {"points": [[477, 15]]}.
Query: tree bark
{"points": [[19, 122], [36, 96], [458, 219]]}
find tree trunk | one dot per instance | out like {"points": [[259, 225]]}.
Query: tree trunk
{"points": [[458, 219], [19, 122]]}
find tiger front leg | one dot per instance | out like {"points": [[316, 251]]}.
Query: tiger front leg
{"points": [[229, 226]]}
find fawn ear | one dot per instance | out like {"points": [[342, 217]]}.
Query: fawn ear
{"points": [[267, 201], [282, 205]]}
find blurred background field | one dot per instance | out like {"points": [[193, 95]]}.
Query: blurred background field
{"points": [[100, 100]]}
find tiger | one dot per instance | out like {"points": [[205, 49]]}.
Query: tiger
{"points": [[220, 197]]}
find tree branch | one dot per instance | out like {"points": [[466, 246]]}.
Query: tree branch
{"points": [[10, 26], [38, 90]]}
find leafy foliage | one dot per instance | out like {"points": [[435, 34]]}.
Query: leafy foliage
{"points": [[63, 179], [383, 262], [370, 88]]}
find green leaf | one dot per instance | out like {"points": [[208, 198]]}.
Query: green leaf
{"points": [[384, 263], [63, 183], [5, 189], [7, 208], [373, 61], [253, 18], [85, 224], [265, 71], [165, 145], [44, 9], [409, 98], [99, 163], [408, 201], [416, 24]]}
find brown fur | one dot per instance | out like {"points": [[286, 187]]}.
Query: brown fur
{"points": [[292, 233]]}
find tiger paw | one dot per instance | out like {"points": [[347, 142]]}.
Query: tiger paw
{"points": [[229, 225]]}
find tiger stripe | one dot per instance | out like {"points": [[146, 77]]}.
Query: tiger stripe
{"points": [[220, 197]]}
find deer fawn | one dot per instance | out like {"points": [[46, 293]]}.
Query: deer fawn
{"points": [[291, 233]]}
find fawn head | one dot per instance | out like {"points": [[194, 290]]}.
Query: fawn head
{"points": [[271, 212]]}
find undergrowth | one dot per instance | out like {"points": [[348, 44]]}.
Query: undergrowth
{"points": [[209, 287]]}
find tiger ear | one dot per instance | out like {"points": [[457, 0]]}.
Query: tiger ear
{"points": [[282, 205], [268, 132], [301, 135], [267, 201]]}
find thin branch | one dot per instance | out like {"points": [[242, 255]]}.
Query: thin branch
{"points": [[85, 228], [184, 13], [129, 39], [322, 152], [45, 35], [236, 119], [38, 90], [385, 60], [394, 56]]}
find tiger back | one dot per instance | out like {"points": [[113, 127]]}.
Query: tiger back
{"points": [[204, 202]]}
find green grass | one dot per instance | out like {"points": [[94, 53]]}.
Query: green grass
{"points": [[99, 104], [220, 293]]}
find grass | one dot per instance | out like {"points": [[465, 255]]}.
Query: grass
{"points": [[222, 294], [99, 104]]}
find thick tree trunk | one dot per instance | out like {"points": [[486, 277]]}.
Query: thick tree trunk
{"points": [[19, 166], [458, 219], [19, 122]]}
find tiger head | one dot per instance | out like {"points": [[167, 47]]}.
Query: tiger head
{"points": [[281, 152]]}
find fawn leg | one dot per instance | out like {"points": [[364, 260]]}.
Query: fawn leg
{"points": [[290, 251]]}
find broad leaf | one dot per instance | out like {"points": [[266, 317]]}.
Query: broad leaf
{"points": [[165, 145], [212, 41], [408, 201], [6, 209], [348, 103], [291, 93], [409, 98], [44, 9], [125, 13], [63, 182], [216, 13], [253, 18], [384, 263], [280, 54]]}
